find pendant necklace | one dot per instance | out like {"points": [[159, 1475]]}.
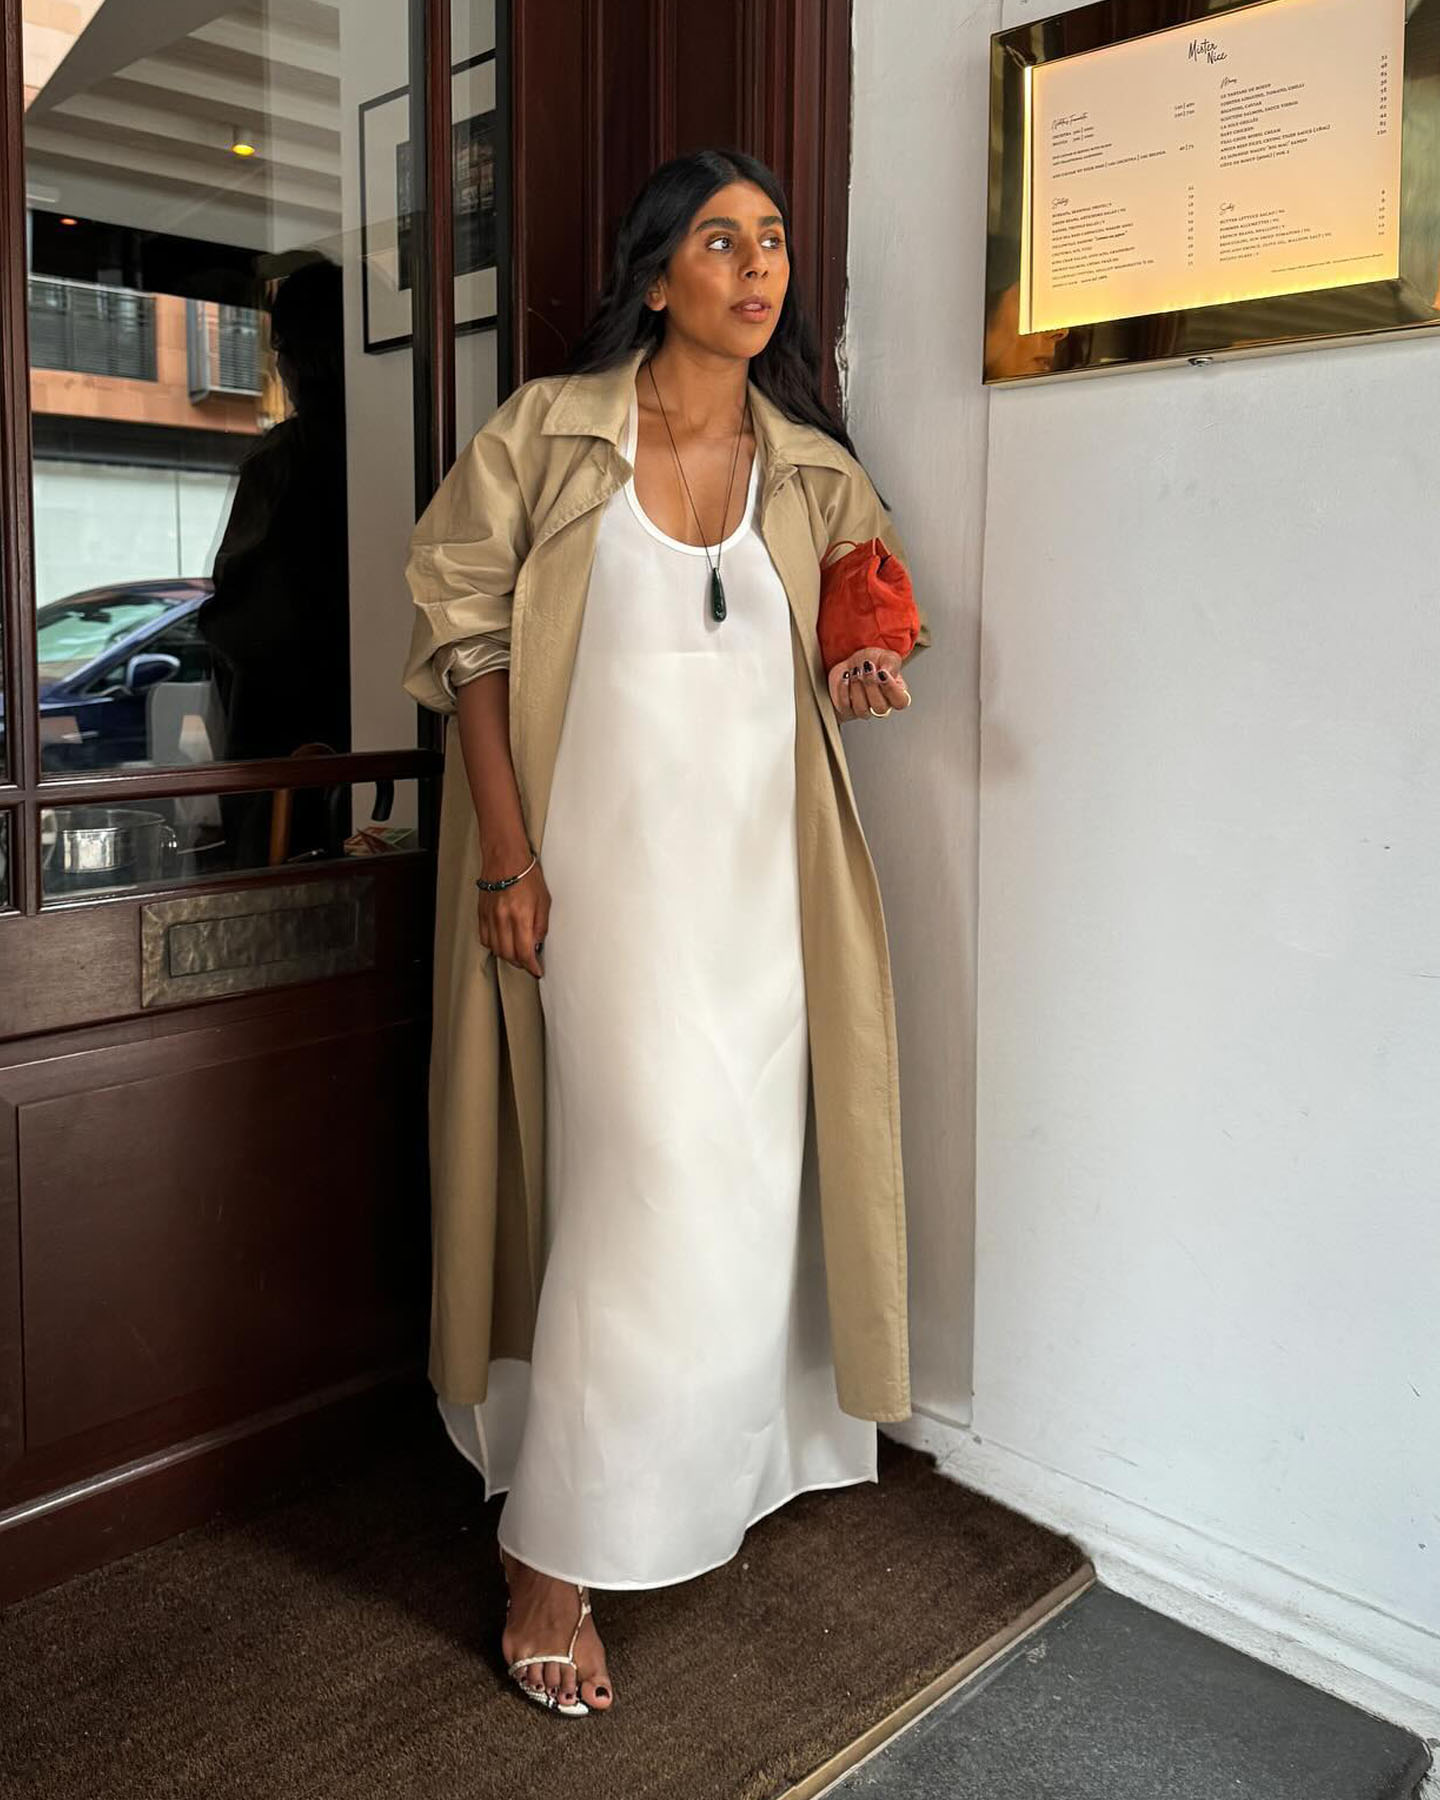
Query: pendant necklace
{"points": [[717, 590]]}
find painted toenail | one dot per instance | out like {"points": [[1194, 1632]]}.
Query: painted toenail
{"points": [[603, 1692]]}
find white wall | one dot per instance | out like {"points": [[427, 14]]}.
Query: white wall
{"points": [[378, 400], [917, 416], [1207, 1156], [103, 522], [378, 421]]}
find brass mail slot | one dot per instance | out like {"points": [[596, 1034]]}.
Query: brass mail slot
{"points": [[237, 943]]}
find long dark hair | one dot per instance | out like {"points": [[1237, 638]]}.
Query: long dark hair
{"points": [[307, 324], [787, 370]]}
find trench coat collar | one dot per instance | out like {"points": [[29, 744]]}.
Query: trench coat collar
{"points": [[597, 404]]}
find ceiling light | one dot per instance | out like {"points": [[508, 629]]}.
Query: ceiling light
{"points": [[240, 144]]}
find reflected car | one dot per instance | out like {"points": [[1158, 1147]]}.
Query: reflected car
{"points": [[99, 655]]}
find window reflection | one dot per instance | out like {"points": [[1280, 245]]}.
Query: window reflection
{"points": [[92, 850], [192, 366], [125, 678], [276, 622], [251, 660]]}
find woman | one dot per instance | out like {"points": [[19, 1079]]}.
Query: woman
{"points": [[634, 1330]]}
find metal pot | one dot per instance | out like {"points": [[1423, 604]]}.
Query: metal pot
{"points": [[103, 846]]}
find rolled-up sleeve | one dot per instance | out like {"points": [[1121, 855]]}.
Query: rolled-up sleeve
{"points": [[470, 657], [465, 555]]}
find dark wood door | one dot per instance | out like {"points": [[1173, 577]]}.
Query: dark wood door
{"points": [[214, 953], [610, 90], [217, 808]]}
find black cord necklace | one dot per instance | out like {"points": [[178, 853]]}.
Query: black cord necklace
{"points": [[717, 590]]}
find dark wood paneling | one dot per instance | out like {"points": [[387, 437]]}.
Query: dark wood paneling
{"points": [[12, 1369], [433, 288], [661, 77], [795, 111], [232, 1234], [207, 1211], [551, 152], [238, 777], [705, 80], [84, 967], [216, 1217], [830, 120]]}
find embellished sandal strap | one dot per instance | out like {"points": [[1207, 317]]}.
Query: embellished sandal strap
{"points": [[524, 1662], [575, 1635]]}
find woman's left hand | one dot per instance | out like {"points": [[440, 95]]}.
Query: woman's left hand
{"points": [[856, 687]]}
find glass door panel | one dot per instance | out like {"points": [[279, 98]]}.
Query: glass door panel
{"points": [[220, 262]]}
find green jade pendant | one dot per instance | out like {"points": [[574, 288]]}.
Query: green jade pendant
{"points": [[717, 594]]}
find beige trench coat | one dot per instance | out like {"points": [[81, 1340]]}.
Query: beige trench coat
{"points": [[504, 551]]}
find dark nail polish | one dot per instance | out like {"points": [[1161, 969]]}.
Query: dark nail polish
{"points": [[846, 675], [884, 674], [869, 667], [603, 1692]]}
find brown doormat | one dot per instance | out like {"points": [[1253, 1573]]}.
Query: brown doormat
{"points": [[345, 1642]]}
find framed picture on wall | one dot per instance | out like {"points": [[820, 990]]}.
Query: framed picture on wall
{"points": [[387, 216]]}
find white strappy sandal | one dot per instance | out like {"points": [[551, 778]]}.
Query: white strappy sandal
{"points": [[550, 1702]]}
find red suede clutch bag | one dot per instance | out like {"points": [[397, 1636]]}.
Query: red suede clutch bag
{"points": [[865, 598]]}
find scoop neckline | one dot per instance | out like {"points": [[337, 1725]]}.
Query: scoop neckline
{"points": [[631, 436]]}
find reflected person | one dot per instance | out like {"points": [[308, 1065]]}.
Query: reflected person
{"points": [[1011, 353], [278, 620]]}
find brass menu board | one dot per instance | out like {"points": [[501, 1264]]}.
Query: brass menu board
{"points": [[1256, 155], [1180, 179]]}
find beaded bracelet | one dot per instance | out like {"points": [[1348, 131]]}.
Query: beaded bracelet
{"points": [[510, 880]]}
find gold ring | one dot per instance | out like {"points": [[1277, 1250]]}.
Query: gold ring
{"points": [[885, 715]]}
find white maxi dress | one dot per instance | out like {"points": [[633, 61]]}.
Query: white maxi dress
{"points": [[681, 1383]]}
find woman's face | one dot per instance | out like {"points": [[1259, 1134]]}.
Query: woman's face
{"points": [[734, 251]]}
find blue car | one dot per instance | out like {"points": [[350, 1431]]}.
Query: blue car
{"points": [[100, 653]]}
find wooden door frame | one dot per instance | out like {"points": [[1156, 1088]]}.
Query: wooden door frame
{"points": [[71, 997]]}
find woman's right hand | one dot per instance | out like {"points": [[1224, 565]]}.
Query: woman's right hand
{"points": [[514, 920]]}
